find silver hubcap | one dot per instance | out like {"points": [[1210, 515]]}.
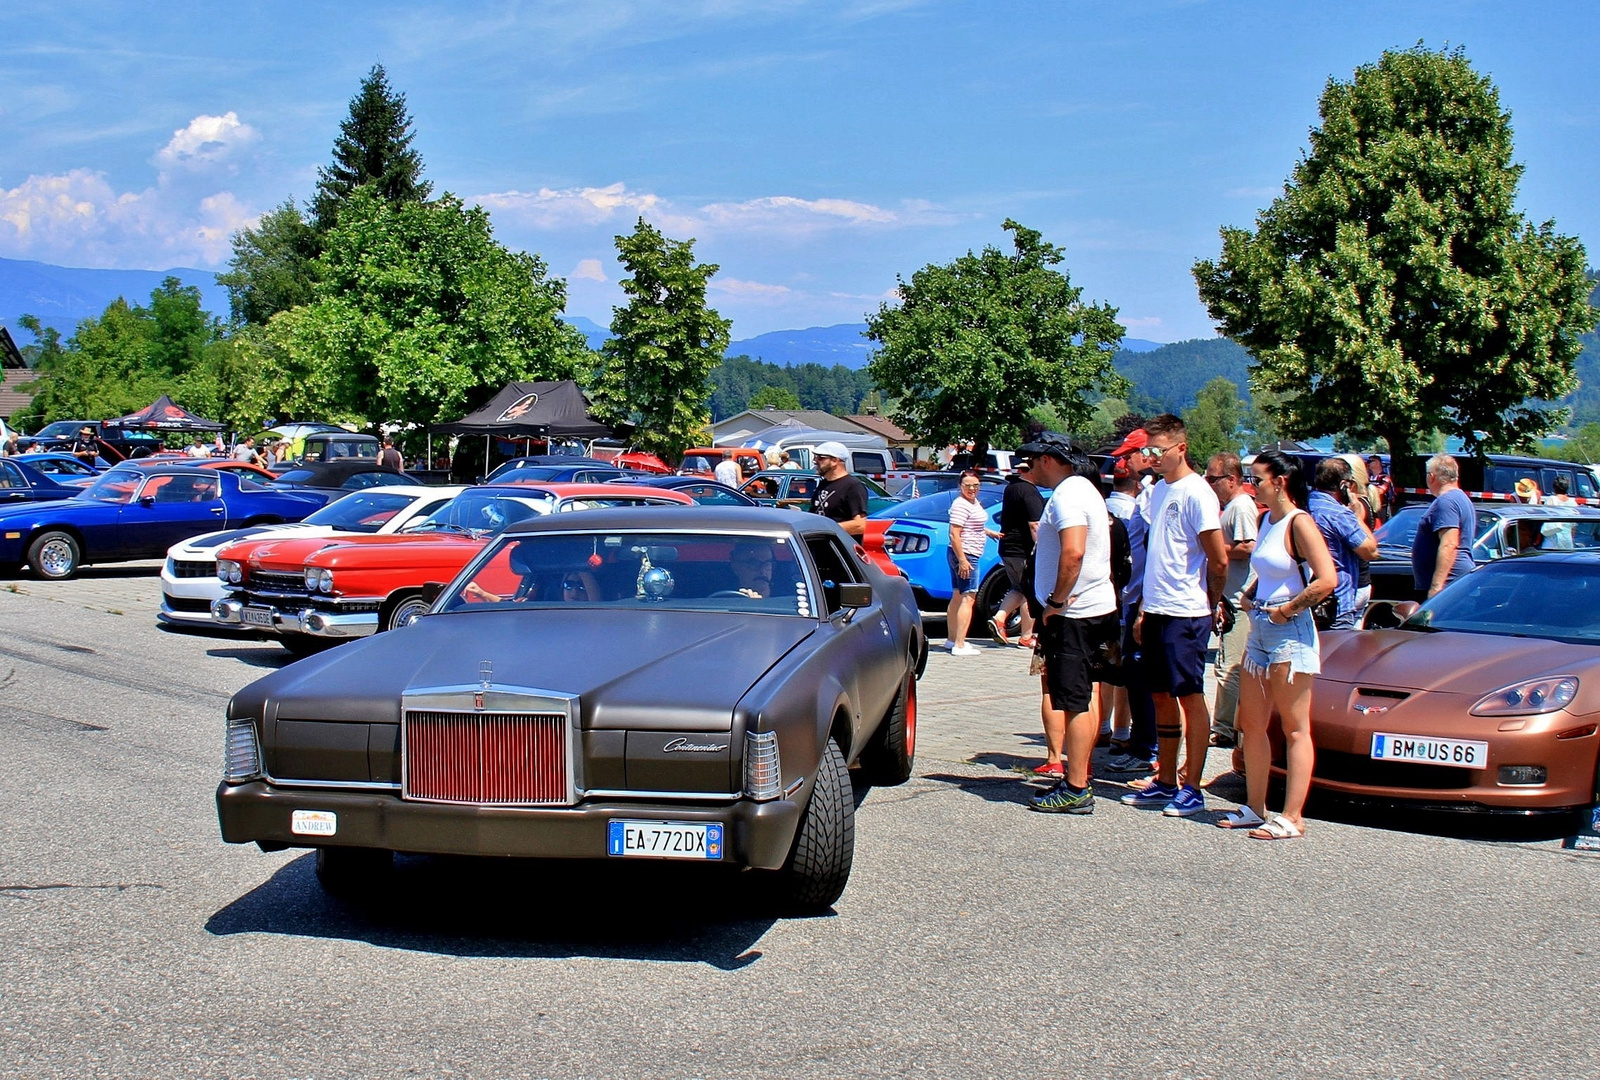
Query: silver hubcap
{"points": [[55, 558], [409, 612]]}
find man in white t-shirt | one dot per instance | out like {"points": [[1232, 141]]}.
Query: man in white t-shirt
{"points": [[727, 471], [1239, 518], [1078, 625], [1186, 565]]}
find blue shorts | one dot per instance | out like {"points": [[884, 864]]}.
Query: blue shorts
{"points": [[958, 583], [1293, 643], [1174, 648]]}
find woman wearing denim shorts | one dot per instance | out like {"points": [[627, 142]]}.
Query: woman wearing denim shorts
{"points": [[1293, 571]]}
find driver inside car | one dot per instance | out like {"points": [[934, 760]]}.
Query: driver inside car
{"points": [[752, 568]]}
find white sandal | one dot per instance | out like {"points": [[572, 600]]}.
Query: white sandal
{"points": [[1242, 818], [1279, 828]]}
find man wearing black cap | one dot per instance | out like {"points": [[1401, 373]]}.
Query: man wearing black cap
{"points": [[1078, 625]]}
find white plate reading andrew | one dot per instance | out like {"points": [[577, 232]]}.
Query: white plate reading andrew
{"points": [[314, 823], [1457, 753]]}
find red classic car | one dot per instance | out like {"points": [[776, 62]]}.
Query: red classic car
{"points": [[316, 592]]}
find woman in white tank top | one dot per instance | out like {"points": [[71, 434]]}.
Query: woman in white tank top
{"points": [[1281, 657]]}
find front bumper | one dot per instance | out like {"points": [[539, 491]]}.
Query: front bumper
{"points": [[758, 834], [271, 618]]}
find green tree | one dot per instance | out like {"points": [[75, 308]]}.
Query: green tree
{"points": [[102, 370], [1584, 445], [1394, 288], [418, 315], [1213, 422], [273, 267], [373, 150], [975, 344], [656, 368], [778, 397]]}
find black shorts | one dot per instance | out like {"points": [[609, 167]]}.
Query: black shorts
{"points": [[1076, 654], [1174, 650], [1016, 567]]}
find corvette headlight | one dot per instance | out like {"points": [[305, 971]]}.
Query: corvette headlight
{"points": [[1530, 697], [228, 570]]}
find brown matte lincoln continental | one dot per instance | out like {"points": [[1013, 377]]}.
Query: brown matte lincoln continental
{"points": [[665, 683]]}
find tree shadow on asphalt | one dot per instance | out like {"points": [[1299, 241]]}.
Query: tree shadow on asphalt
{"points": [[534, 909]]}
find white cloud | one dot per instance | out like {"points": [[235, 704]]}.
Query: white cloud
{"points": [[1151, 324], [566, 208], [749, 290], [206, 142], [78, 218], [588, 270]]}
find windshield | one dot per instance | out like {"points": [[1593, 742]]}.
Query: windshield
{"points": [[1537, 597], [657, 571], [527, 472], [116, 486], [937, 507], [927, 484], [362, 511], [1401, 529], [296, 476], [61, 429], [484, 512]]}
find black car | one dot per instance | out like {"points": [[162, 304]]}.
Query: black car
{"points": [[703, 491], [1498, 535], [667, 683], [337, 478]]}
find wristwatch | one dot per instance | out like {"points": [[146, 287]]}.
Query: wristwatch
{"points": [[1051, 601]]}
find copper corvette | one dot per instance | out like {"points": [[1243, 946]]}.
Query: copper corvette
{"points": [[1487, 698]]}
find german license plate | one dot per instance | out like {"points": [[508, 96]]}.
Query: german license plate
{"points": [[257, 616], [1457, 753], [663, 840]]}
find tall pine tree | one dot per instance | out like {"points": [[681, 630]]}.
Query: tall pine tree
{"points": [[373, 148]]}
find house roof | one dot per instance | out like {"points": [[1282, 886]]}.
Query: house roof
{"points": [[12, 400], [882, 425], [758, 420]]}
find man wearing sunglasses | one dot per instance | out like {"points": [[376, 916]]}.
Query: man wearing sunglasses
{"points": [[1186, 565]]}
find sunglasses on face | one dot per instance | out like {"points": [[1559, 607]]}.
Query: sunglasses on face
{"points": [[1155, 453], [1215, 479]]}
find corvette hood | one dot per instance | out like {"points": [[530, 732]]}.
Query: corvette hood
{"points": [[660, 671], [1467, 664]]}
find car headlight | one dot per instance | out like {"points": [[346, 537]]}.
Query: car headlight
{"points": [[1529, 697], [326, 584], [241, 757], [313, 576], [230, 570], [763, 773]]}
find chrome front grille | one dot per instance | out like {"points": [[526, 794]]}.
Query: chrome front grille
{"points": [[277, 581], [489, 758]]}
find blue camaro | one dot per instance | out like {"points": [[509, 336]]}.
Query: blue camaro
{"points": [[137, 514], [22, 483], [919, 541]]}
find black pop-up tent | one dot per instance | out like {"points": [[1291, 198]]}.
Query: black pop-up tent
{"points": [[532, 410], [163, 415]]}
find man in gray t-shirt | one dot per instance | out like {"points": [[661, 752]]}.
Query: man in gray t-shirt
{"points": [[1239, 516]]}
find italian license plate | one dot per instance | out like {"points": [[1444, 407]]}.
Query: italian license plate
{"points": [[314, 823], [257, 616], [1458, 753], [663, 840]]}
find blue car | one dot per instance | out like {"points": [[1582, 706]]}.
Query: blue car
{"points": [[22, 483], [541, 470], [919, 541], [62, 468], [132, 513]]}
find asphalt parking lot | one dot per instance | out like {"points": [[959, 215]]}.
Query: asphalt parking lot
{"points": [[975, 938]]}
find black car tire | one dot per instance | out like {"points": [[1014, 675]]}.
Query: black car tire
{"points": [[890, 753], [403, 608], [55, 556], [352, 871], [991, 594], [824, 845]]}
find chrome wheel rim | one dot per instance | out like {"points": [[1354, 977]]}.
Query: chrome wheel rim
{"points": [[55, 558], [408, 613]]}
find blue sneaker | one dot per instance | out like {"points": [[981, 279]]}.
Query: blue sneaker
{"points": [[1152, 797], [1063, 800], [1187, 801]]}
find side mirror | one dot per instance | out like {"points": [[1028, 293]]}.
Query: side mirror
{"points": [[431, 591], [855, 595], [147, 501]]}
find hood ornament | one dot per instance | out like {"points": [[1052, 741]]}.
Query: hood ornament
{"points": [[485, 681]]}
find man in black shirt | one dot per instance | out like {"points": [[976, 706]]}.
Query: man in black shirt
{"points": [[86, 447], [840, 496], [1020, 509]]}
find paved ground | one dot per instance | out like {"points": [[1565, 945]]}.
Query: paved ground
{"points": [[975, 939]]}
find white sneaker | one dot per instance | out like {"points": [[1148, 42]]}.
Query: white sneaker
{"points": [[949, 646], [968, 649]]}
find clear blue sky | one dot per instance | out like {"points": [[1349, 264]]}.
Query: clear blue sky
{"points": [[813, 150]]}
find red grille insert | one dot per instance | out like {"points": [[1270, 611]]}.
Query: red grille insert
{"points": [[511, 759]]}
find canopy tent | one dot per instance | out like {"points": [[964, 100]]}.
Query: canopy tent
{"points": [[533, 410], [163, 415]]}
